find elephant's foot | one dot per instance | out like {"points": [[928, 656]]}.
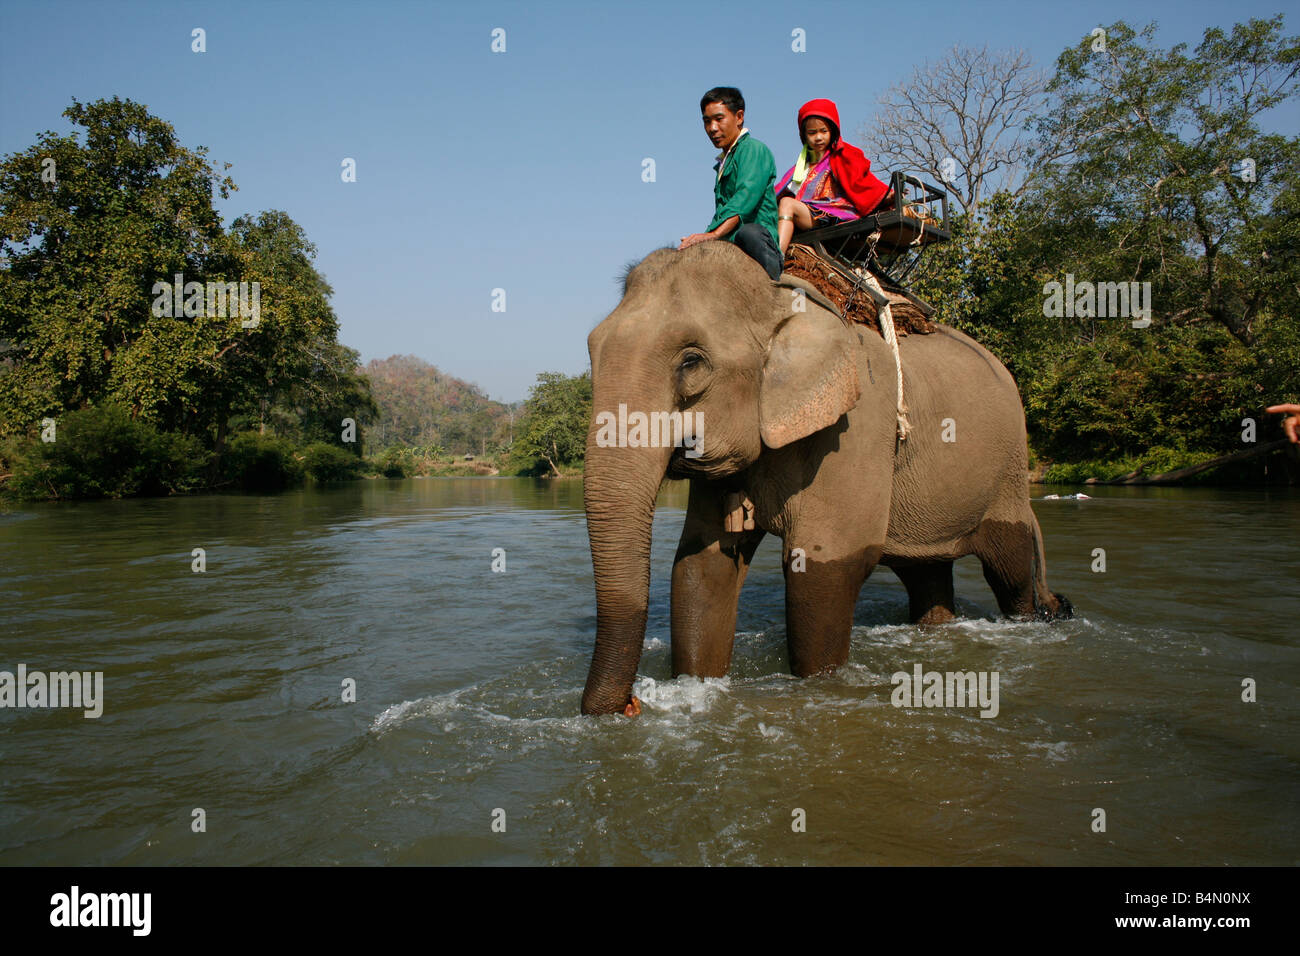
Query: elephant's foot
{"points": [[1063, 610], [936, 615], [929, 592], [633, 706]]}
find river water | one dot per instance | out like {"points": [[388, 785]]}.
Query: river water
{"points": [[223, 692]]}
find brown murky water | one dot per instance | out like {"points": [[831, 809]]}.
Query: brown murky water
{"points": [[222, 691]]}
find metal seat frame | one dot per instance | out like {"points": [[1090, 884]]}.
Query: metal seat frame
{"points": [[887, 243]]}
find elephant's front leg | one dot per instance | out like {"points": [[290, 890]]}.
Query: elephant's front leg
{"points": [[707, 575], [819, 601]]}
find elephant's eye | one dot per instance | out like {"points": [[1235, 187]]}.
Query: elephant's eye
{"points": [[691, 359], [692, 372]]}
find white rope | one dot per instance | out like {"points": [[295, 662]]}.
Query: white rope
{"points": [[886, 318], [920, 211], [916, 240]]}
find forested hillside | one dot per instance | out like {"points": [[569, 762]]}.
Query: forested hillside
{"points": [[422, 406]]}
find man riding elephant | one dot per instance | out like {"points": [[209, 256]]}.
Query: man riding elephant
{"points": [[744, 203]]}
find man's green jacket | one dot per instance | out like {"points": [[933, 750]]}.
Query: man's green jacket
{"points": [[745, 187]]}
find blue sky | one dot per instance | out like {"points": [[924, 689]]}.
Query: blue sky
{"points": [[518, 170]]}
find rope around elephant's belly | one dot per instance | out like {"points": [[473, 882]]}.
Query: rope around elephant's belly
{"points": [[886, 319]]}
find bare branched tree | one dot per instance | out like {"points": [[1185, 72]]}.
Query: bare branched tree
{"points": [[962, 121]]}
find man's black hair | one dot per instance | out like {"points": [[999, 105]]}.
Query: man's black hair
{"points": [[728, 96]]}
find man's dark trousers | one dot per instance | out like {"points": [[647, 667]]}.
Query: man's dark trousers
{"points": [[756, 242]]}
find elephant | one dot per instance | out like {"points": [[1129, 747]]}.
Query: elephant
{"points": [[797, 409]]}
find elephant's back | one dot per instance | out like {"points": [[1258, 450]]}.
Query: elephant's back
{"points": [[949, 370], [954, 349]]}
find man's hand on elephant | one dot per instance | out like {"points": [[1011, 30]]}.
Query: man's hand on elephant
{"points": [[633, 706], [694, 238], [1291, 423]]}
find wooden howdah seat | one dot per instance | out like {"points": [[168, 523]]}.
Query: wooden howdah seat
{"points": [[890, 242]]}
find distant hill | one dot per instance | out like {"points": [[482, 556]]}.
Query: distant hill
{"points": [[420, 405]]}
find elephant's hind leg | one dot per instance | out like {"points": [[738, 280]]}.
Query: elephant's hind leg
{"points": [[1006, 550], [708, 572], [929, 591]]}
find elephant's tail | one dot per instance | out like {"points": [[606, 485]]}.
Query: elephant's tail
{"points": [[1049, 605]]}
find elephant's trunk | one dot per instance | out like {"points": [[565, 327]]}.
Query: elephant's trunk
{"points": [[619, 490]]}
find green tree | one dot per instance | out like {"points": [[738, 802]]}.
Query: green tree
{"points": [[1163, 151], [987, 282], [1164, 175], [553, 431], [289, 371], [1140, 176], [93, 227], [85, 231]]}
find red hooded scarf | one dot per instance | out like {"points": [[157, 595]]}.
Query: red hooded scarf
{"points": [[849, 165]]}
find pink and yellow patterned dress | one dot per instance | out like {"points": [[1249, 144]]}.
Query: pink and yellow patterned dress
{"points": [[820, 193]]}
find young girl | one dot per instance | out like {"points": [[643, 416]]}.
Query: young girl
{"points": [[831, 182]]}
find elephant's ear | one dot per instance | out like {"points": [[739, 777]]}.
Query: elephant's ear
{"points": [[810, 376]]}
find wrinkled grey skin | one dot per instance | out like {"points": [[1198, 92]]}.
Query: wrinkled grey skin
{"points": [[799, 411]]}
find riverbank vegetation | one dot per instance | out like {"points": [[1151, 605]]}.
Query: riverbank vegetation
{"points": [[1126, 240]]}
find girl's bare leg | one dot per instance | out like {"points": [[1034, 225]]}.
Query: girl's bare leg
{"points": [[802, 217]]}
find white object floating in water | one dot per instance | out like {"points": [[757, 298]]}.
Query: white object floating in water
{"points": [[1079, 497]]}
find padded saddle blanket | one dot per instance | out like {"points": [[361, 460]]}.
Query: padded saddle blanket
{"points": [[802, 262]]}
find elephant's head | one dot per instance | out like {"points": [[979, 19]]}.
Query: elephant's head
{"points": [[746, 362]]}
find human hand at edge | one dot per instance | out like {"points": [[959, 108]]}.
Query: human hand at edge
{"points": [[1290, 423]]}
